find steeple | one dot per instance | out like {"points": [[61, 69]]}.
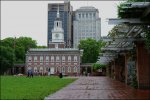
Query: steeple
{"points": [[58, 16], [58, 32]]}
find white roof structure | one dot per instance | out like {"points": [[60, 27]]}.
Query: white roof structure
{"points": [[54, 49], [133, 15]]}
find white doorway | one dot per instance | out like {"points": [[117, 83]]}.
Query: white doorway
{"points": [[52, 70]]}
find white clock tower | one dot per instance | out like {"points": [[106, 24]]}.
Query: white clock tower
{"points": [[57, 33]]}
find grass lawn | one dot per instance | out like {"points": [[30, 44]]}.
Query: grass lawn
{"points": [[20, 87]]}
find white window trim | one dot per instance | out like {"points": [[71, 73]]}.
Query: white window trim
{"points": [[69, 69], [75, 69]]}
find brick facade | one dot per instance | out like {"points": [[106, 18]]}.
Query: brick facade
{"points": [[52, 45], [143, 66], [67, 62]]}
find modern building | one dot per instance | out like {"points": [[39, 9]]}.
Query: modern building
{"points": [[65, 10], [86, 24], [56, 58]]}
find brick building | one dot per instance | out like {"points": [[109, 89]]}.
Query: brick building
{"points": [[56, 58], [65, 60]]}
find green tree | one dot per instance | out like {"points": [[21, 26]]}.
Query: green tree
{"points": [[13, 51], [91, 50], [6, 58], [20, 54], [8, 42], [26, 42], [97, 66]]}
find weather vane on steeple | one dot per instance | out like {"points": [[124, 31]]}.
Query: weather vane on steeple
{"points": [[58, 12]]}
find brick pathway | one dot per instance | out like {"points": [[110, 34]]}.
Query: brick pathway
{"points": [[99, 88]]}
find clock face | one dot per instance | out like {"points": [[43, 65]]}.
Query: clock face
{"points": [[57, 35]]}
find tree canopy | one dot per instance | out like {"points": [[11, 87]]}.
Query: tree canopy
{"points": [[91, 50], [6, 58], [13, 51], [98, 66]]}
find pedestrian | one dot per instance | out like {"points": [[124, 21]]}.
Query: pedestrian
{"points": [[60, 75], [31, 74], [28, 73]]}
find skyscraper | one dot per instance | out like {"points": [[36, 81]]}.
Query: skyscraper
{"points": [[65, 10], [86, 24]]}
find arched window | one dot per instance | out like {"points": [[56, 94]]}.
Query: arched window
{"points": [[63, 69], [75, 69], [59, 69], [35, 69], [29, 58], [41, 69], [69, 69]]}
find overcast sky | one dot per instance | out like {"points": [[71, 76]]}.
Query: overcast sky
{"points": [[29, 18]]}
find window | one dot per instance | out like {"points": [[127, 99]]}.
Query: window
{"points": [[29, 58], [75, 58], [47, 63], [69, 58], [90, 15], [35, 58], [63, 69], [57, 24], [75, 69], [41, 58], [35, 63], [41, 69], [35, 69], [63, 58], [94, 15], [47, 58], [82, 15], [56, 45], [41, 63], [79, 15], [57, 58], [52, 58], [69, 69], [86, 15]]}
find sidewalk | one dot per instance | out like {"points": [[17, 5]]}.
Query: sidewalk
{"points": [[99, 88]]}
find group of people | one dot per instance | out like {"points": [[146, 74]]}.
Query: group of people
{"points": [[30, 74]]}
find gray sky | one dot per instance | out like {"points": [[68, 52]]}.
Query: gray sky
{"points": [[29, 18]]}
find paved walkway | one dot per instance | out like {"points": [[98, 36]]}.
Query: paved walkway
{"points": [[99, 88]]}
